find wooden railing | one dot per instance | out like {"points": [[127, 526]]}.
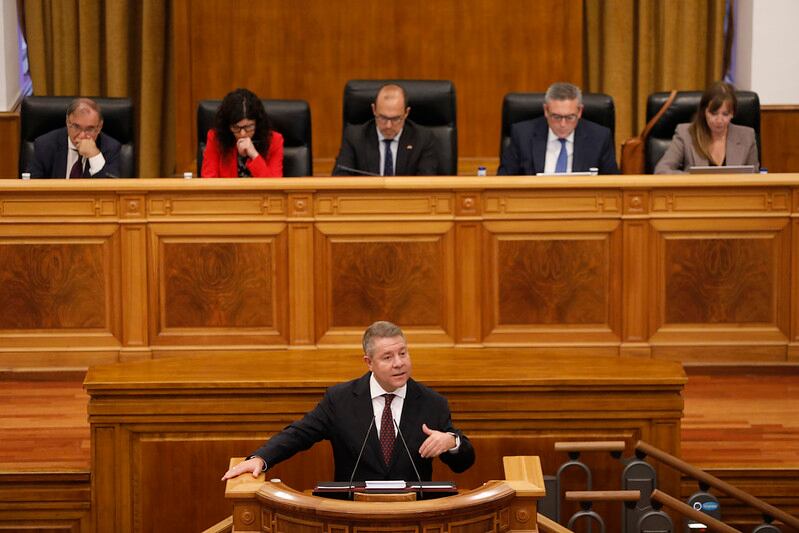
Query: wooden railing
{"points": [[768, 510], [689, 512]]}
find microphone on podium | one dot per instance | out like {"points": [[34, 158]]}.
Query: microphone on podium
{"points": [[410, 456], [356, 171], [350, 487]]}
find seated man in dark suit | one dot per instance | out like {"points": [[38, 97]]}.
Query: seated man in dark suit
{"points": [[78, 150], [559, 141], [353, 413], [389, 144]]}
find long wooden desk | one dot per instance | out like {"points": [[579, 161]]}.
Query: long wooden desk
{"points": [[694, 268], [163, 431]]}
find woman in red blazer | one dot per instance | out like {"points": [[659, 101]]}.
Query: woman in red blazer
{"points": [[242, 142]]}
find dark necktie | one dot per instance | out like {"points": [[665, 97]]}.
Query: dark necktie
{"points": [[243, 171], [387, 435], [563, 157], [388, 165], [77, 169]]}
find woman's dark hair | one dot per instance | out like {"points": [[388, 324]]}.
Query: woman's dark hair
{"points": [[713, 98], [236, 106]]}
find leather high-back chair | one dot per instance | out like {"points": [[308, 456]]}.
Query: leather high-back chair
{"points": [[682, 109], [517, 107], [43, 114], [432, 104], [290, 118]]}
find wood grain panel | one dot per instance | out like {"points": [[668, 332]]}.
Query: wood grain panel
{"points": [[778, 127], [217, 285], [550, 278], [53, 286], [372, 275], [553, 281], [374, 280], [9, 143], [486, 48], [717, 281], [225, 285]]}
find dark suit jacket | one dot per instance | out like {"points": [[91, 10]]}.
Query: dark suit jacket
{"points": [[343, 417], [50, 155], [526, 154], [359, 149]]}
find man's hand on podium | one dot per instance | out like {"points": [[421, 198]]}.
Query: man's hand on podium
{"points": [[254, 465], [436, 443]]}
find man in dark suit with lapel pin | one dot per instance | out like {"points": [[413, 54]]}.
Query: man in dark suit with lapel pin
{"points": [[389, 144], [560, 141], [355, 412], [78, 150]]}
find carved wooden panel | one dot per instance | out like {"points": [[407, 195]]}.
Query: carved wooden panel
{"points": [[720, 281], [365, 275], [218, 284], [224, 284], [374, 280], [287, 523], [553, 281], [550, 278], [53, 285]]}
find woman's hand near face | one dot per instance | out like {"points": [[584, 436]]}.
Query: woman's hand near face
{"points": [[245, 147]]}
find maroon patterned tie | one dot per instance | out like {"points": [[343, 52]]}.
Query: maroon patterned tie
{"points": [[387, 435], [77, 168]]}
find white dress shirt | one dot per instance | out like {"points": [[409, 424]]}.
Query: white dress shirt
{"points": [[394, 150], [553, 150]]}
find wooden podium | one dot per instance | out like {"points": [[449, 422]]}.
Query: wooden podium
{"points": [[503, 506]]}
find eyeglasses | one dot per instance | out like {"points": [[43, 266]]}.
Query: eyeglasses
{"points": [[89, 130], [247, 128], [385, 120], [561, 118]]}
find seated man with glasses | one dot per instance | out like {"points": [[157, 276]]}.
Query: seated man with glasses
{"points": [[559, 141], [390, 144], [78, 150]]}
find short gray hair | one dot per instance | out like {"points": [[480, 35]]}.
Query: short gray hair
{"points": [[78, 103], [381, 329], [564, 91]]}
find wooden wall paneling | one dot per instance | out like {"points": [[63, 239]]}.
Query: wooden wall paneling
{"points": [[45, 502], [301, 284], [553, 281], [723, 281], [105, 472], [468, 279], [135, 344], [58, 284], [778, 126], [636, 269], [222, 284], [793, 345], [381, 271], [185, 106], [9, 143], [487, 49]]}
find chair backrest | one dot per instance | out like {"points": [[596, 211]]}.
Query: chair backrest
{"points": [[432, 105], [682, 110], [43, 114], [517, 107], [290, 118]]}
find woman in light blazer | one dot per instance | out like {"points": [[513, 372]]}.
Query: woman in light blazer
{"points": [[711, 140]]}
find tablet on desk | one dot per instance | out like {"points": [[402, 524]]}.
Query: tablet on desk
{"points": [[732, 169]]}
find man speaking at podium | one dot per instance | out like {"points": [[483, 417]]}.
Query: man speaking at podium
{"points": [[369, 417]]}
